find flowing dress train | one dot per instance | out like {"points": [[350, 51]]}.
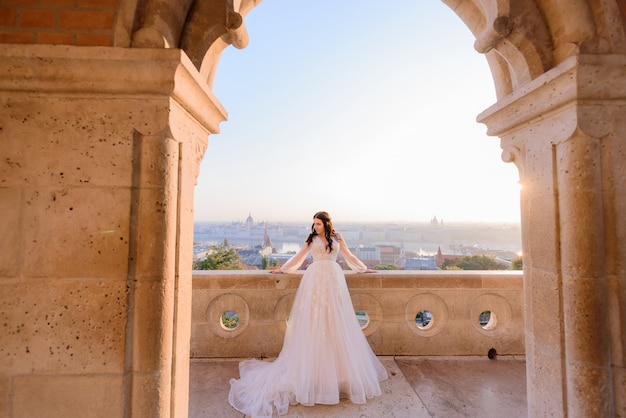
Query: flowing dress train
{"points": [[325, 355]]}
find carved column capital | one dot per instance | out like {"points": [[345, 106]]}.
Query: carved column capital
{"points": [[577, 95]]}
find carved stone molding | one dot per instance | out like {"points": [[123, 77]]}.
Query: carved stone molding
{"points": [[112, 72], [578, 80]]}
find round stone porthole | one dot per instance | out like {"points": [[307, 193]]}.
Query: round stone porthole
{"points": [[228, 315], [363, 318], [229, 320], [424, 320], [490, 315], [487, 320], [426, 314], [368, 312], [282, 311]]}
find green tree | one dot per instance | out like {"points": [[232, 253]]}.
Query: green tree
{"points": [[385, 267], [473, 262], [450, 267], [517, 264], [220, 257]]}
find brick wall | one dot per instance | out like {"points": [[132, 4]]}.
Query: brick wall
{"points": [[66, 22]]}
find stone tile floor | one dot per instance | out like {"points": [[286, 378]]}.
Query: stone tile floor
{"points": [[417, 387]]}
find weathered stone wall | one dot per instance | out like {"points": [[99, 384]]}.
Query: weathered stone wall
{"points": [[100, 152]]}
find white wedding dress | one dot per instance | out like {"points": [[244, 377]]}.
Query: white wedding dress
{"points": [[325, 355]]}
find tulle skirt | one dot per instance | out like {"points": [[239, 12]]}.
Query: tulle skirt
{"points": [[325, 355]]}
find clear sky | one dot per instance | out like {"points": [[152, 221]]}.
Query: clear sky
{"points": [[365, 109]]}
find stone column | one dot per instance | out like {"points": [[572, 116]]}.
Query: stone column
{"points": [[100, 152], [566, 131]]}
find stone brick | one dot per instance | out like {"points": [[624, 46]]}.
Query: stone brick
{"points": [[57, 3], [7, 16], [20, 2], [68, 396], [17, 37], [10, 225], [5, 395], [70, 19], [96, 3], [54, 38], [90, 39], [37, 18], [63, 326], [87, 221]]}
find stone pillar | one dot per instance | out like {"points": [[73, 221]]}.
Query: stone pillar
{"points": [[100, 152], [566, 131]]}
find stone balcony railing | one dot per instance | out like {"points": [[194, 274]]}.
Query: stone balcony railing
{"points": [[457, 302]]}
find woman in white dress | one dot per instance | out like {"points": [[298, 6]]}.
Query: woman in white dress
{"points": [[325, 355]]}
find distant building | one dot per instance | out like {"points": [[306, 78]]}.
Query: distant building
{"points": [[436, 223], [268, 247], [253, 260], [441, 258], [420, 264], [389, 254], [249, 222], [367, 253]]}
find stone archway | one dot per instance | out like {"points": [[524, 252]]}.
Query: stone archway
{"points": [[100, 154], [538, 52]]}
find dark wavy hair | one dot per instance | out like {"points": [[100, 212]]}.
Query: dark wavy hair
{"points": [[329, 229]]}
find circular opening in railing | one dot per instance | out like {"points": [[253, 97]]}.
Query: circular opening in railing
{"points": [[363, 318], [487, 320], [424, 319], [229, 320]]}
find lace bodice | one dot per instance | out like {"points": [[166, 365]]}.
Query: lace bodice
{"points": [[319, 251], [317, 248]]}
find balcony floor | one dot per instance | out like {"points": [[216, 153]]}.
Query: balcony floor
{"points": [[417, 387]]}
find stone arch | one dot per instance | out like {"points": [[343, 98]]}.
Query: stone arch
{"points": [[559, 72], [521, 40], [540, 54]]}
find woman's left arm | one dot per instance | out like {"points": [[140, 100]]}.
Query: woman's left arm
{"points": [[352, 260], [291, 266]]}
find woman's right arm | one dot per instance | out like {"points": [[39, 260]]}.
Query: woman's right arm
{"points": [[291, 266]]}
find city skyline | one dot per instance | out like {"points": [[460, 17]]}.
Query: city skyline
{"points": [[372, 123], [431, 234]]}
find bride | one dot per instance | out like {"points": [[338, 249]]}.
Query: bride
{"points": [[325, 355]]}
